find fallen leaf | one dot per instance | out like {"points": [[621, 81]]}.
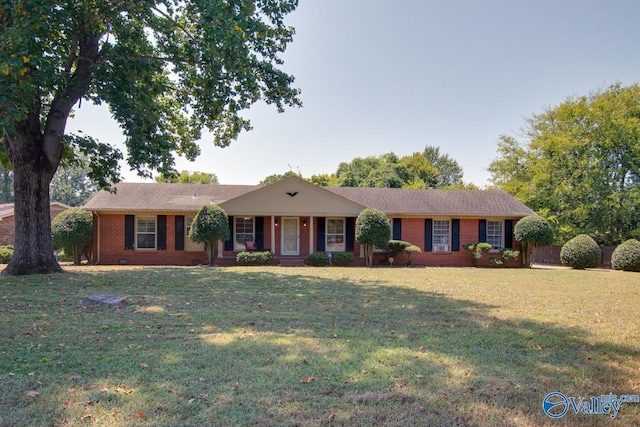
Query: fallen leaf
{"points": [[306, 380], [32, 393], [144, 365], [422, 349]]}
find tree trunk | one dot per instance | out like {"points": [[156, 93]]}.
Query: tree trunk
{"points": [[32, 173]]}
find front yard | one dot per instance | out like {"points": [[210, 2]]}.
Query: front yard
{"points": [[317, 346]]}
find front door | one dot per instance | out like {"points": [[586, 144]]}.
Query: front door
{"points": [[290, 236]]}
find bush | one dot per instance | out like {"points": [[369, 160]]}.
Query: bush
{"points": [[506, 255], [73, 230], [477, 251], [6, 253], [532, 231], [254, 258], [626, 256], [396, 248], [342, 258], [317, 259], [581, 252]]}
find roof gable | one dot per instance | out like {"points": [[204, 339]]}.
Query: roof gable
{"points": [[292, 196]]}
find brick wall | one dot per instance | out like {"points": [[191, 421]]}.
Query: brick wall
{"points": [[8, 227]]}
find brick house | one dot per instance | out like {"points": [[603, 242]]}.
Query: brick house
{"points": [[148, 223], [7, 220]]}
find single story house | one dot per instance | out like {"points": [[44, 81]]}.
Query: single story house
{"points": [[148, 223], [8, 223]]}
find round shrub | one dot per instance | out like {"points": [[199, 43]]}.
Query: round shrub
{"points": [[627, 256], [254, 258], [581, 252], [6, 253], [342, 258], [317, 259]]}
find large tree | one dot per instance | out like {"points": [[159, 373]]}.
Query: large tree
{"points": [[579, 165], [167, 69]]}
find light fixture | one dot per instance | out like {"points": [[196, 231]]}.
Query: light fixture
{"points": [[304, 222], [275, 223]]}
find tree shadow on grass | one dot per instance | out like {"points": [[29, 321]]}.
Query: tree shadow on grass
{"points": [[243, 347]]}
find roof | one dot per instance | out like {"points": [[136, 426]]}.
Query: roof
{"points": [[395, 201], [392, 201], [164, 197], [6, 209]]}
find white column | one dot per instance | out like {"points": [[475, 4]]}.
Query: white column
{"points": [[273, 234], [220, 248], [311, 235]]}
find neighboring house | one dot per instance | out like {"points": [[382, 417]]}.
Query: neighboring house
{"points": [[148, 223], [7, 220]]}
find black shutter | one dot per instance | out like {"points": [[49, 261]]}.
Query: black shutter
{"points": [[397, 229], [350, 237], [428, 234], [320, 233], [129, 232], [162, 232], [455, 235], [260, 233], [180, 229], [482, 231], [508, 234], [228, 245]]}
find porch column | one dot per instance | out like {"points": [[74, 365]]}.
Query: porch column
{"points": [[311, 235], [273, 234], [220, 249]]}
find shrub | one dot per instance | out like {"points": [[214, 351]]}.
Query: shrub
{"points": [[342, 258], [254, 258], [73, 230], [395, 248], [372, 229], [477, 251], [626, 256], [6, 253], [506, 255], [532, 231], [581, 252], [317, 259]]}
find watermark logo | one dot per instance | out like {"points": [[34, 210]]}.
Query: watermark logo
{"points": [[556, 404]]}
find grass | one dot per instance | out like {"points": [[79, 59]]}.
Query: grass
{"points": [[271, 346]]}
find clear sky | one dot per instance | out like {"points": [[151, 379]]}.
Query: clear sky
{"points": [[380, 76]]}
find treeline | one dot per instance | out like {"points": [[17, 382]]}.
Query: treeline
{"points": [[428, 169], [578, 165]]}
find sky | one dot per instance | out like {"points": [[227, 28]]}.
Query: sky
{"points": [[381, 76]]}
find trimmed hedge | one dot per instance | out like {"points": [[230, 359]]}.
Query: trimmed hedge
{"points": [[581, 252], [317, 259], [626, 256], [6, 253], [254, 258], [342, 259]]}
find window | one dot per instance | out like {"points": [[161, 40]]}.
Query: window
{"points": [[494, 234], [335, 235], [146, 233], [244, 230], [190, 245], [441, 236]]}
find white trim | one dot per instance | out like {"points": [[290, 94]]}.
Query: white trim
{"points": [[155, 232], [282, 236]]}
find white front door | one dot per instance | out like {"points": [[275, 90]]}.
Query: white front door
{"points": [[290, 236]]}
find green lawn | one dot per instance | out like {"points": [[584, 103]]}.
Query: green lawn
{"points": [[316, 346]]}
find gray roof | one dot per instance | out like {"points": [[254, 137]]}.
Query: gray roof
{"points": [[392, 201], [164, 197]]}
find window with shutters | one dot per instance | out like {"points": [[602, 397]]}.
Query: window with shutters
{"points": [[494, 234], [335, 235], [145, 232], [190, 245], [244, 230], [441, 235]]}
